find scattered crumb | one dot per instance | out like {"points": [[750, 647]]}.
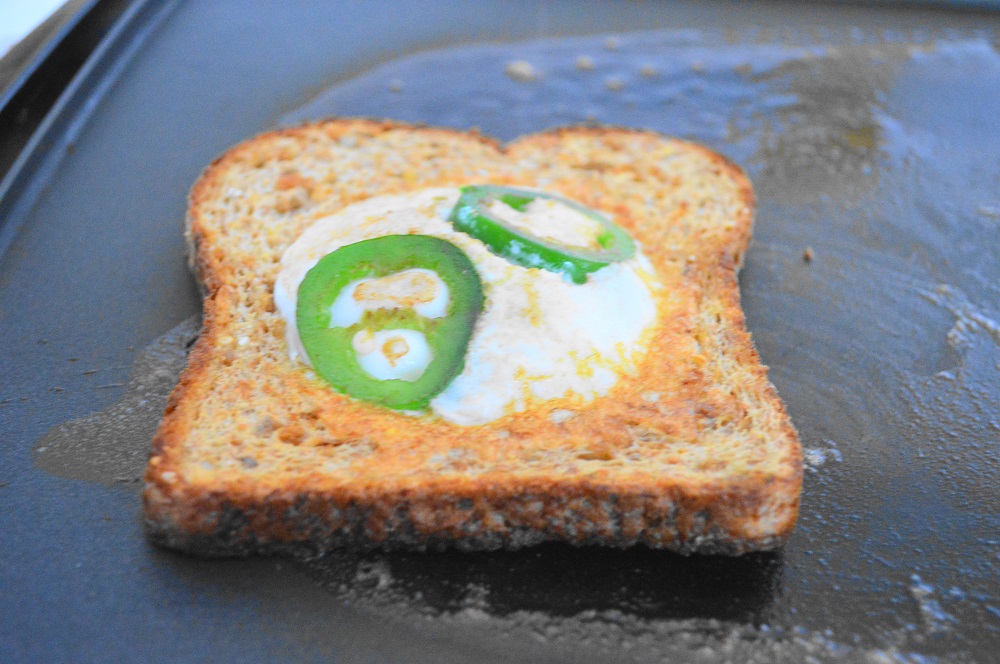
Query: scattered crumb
{"points": [[697, 66], [648, 70], [74, 359], [56, 390], [612, 43], [521, 71], [614, 84], [89, 372], [815, 457], [989, 211], [395, 85], [808, 255], [584, 63]]}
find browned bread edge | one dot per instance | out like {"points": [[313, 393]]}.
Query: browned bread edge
{"points": [[707, 517]]}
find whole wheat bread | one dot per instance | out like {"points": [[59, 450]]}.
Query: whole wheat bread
{"points": [[695, 453]]}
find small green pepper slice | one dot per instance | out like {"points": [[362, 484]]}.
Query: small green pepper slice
{"points": [[587, 242], [388, 320]]}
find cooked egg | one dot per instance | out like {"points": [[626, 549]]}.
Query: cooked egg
{"points": [[539, 336], [388, 354], [417, 289]]}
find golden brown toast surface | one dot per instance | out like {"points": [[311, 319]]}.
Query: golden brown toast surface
{"points": [[694, 453]]}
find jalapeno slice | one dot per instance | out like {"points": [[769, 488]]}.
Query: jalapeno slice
{"points": [[534, 229], [388, 320]]}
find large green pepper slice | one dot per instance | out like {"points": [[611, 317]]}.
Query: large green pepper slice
{"points": [[388, 320], [597, 241]]}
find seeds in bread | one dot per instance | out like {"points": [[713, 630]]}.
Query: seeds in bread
{"points": [[692, 452]]}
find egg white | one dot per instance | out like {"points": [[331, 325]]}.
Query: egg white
{"points": [[539, 336]]}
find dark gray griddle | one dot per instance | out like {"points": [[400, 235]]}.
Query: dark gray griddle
{"points": [[873, 138]]}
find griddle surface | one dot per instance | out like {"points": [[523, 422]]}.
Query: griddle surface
{"points": [[872, 138]]}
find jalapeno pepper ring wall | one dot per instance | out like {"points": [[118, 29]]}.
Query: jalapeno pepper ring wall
{"points": [[331, 349], [522, 247]]}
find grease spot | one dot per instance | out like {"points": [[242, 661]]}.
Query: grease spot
{"points": [[970, 320], [935, 618], [112, 445]]}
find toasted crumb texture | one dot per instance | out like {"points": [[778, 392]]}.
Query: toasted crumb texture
{"points": [[694, 452]]}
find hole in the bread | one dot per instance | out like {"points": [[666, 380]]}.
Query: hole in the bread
{"points": [[646, 434], [292, 434], [712, 465], [598, 454], [266, 427]]}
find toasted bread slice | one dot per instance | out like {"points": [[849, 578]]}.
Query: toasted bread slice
{"points": [[694, 452]]}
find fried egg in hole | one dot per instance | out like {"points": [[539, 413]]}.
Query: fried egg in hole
{"points": [[539, 337]]}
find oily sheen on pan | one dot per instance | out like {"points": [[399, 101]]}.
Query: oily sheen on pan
{"points": [[418, 337]]}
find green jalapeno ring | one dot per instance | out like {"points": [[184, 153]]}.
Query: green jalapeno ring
{"points": [[330, 349], [529, 250]]}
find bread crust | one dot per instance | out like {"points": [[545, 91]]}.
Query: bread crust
{"points": [[255, 456]]}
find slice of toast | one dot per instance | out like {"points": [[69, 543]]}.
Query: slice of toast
{"points": [[694, 452]]}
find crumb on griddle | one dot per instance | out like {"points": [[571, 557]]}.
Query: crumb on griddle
{"points": [[521, 71]]}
